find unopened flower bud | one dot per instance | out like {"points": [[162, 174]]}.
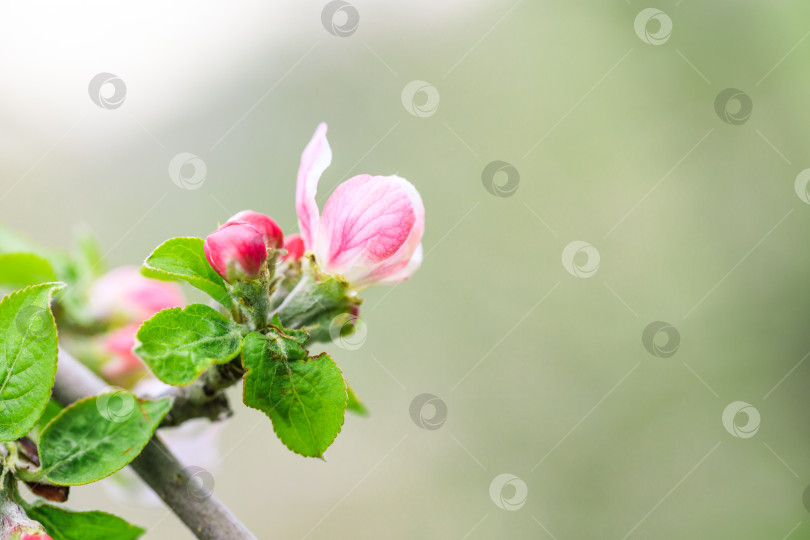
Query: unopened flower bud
{"points": [[269, 229], [294, 245], [236, 251], [15, 525]]}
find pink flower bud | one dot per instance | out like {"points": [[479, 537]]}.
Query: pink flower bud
{"points": [[124, 363], [15, 525], [269, 229], [371, 227], [236, 251], [125, 294], [35, 536], [294, 245]]}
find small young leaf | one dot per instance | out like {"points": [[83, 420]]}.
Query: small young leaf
{"points": [[95, 437], [184, 259], [304, 396], [179, 344], [64, 524], [27, 358], [354, 404], [23, 269]]}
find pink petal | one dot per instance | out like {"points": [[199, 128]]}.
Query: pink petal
{"points": [[316, 158], [269, 229], [370, 228]]}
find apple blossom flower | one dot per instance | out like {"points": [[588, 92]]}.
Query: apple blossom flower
{"points": [[125, 294], [371, 227], [269, 229], [236, 251]]}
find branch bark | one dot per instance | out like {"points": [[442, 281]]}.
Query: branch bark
{"points": [[206, 517]]}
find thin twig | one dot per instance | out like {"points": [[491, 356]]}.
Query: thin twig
{"points": [[206, 517]]}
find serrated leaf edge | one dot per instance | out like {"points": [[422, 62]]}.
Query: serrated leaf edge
{"points": [[54, 286]]}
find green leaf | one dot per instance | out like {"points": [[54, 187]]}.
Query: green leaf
{"points": [[64, 524], [354, 404], [304, 396], [51, 410], [179, 344], [23, 269], [184, 259], [97, 436], [27, 358]]}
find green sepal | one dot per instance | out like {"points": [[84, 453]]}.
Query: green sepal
{"points": [[316, 300]]}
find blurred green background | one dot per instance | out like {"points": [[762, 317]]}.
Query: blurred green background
{"points": [[544, 374]]}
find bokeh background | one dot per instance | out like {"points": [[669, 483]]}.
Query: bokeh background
{"points": [[614, 139]]}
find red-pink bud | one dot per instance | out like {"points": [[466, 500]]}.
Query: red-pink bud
{"points": [[269, 229], [235, 251], [15, 525], [36, 536], [294, 244]]}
